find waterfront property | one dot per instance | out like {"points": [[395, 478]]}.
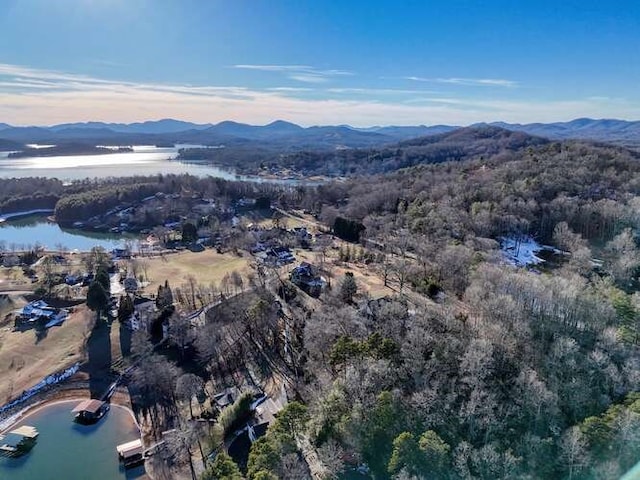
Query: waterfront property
{"points": [[305, 276], [143, 160], [39, 310], [18, 441], [66, 450], [28, 232], [131, 453], [90, 411]]}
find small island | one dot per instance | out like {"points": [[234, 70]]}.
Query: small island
{"points": [[68, 149]]}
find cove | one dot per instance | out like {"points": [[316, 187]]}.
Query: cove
{"points": [[67, 450]]}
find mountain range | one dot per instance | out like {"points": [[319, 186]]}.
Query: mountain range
{"points": [[285, 135]]}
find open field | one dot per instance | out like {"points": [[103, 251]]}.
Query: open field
{"points": [[207, 267], [12, 278], [25, 360], [367, 279]]}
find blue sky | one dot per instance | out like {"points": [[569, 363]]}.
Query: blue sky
{"points": [[318, 61]]}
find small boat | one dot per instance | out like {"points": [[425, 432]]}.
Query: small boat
{"points": [[18, 441], [90, 411]]}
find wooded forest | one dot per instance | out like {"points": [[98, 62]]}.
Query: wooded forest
{"points": [[473, 368]]}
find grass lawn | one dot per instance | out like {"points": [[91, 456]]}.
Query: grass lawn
{"points": [[366, 277], [12, 278], [207, 267], [25, 360]]}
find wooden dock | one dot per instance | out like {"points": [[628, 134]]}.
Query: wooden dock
{"points": [[18, 441]]}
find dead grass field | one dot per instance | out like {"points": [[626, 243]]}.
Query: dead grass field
{"points": [[367, 280], [207, 267], [13, 278], [24, 362]]}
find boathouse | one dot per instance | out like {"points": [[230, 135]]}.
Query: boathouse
{"points": [[90, 411], [131, 453], [18, 441]]}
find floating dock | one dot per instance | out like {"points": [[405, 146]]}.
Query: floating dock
{"points": [[18, 441]]}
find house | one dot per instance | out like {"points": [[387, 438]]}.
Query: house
{"points": [[282, 254], [73, 279], [130, 285], [301, 234], [274, 256], [277, 256], [121, 253], [58, 318], [10, 261], [305, 277], [258, 247], [37, 310], [226, 397], [145, 313]]}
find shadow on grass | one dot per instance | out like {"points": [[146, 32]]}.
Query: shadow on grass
{"points": [[125, 340], [98, 364]]}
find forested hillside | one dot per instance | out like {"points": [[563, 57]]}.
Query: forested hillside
{"points": [[460, 144], [468, 367], [510, 373]]}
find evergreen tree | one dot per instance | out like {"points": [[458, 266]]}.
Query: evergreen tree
{"points": [[348, 288], [125, 308], [97, 298], [223, 468]]}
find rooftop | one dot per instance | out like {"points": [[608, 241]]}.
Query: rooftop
{"points": [[130, 449], [26, 431], [91, 406]]}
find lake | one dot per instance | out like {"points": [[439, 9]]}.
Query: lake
{"points": [[144, 160], [23, 233], [66, 450]]}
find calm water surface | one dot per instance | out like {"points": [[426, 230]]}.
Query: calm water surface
{"points": [[144, 160], [23, 233], [68, 451]]}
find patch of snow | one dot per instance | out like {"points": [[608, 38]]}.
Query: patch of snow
{"points": [[50, 380], [115, 285], [522, 251]]}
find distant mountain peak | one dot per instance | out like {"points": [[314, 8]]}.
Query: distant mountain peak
{"points": [[282, 123], [281, 133]]}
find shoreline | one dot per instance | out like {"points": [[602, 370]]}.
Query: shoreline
{"points": [[13, 215], [120, 399]]}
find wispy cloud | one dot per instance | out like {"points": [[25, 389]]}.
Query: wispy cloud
{"points": [[31, 96], [380, 91], [107, 63], [469, 82], [300, 73], [290, 89]]}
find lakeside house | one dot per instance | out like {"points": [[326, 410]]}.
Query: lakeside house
{"points": [[145, 314], [305, 276], [121, 253], [10, 260], [280, 256], [39, 310], [275, 256]]}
